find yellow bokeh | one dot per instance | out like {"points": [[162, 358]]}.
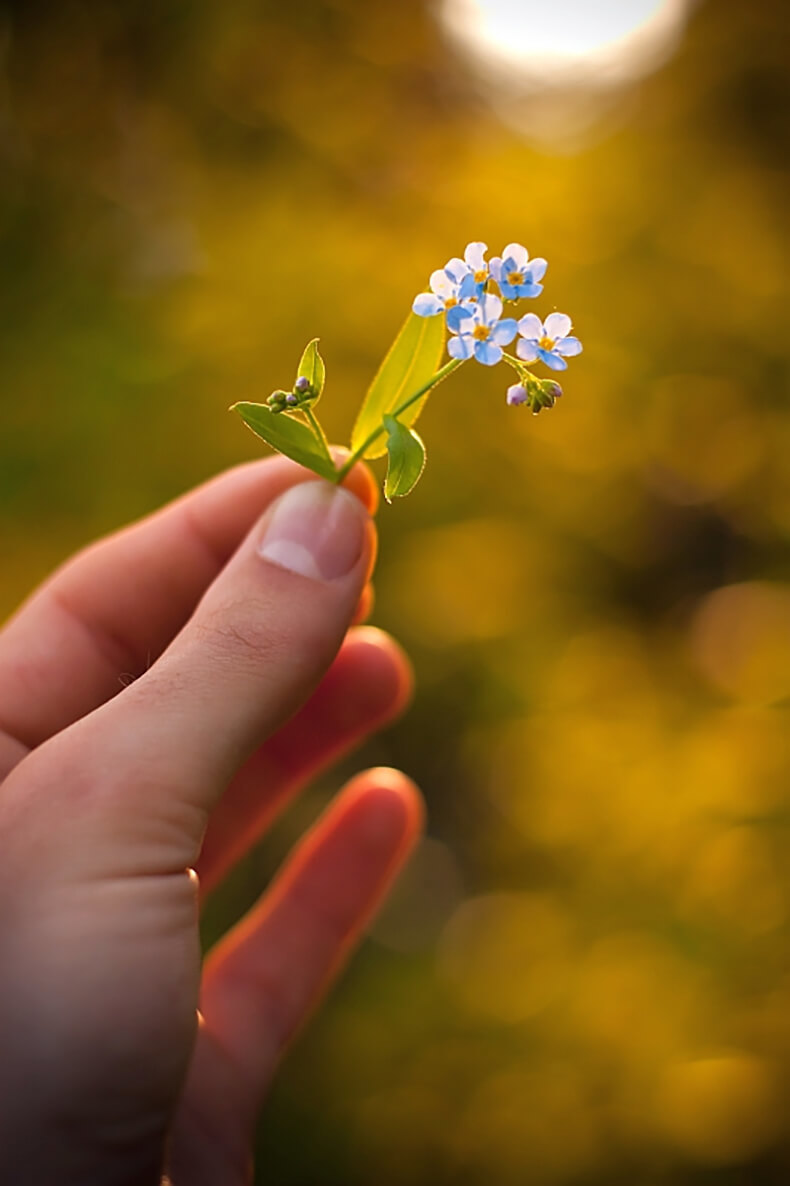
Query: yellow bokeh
{"points": [[583, 978], [507, 956], [721, 1110], [736, 881], [741, 641]]}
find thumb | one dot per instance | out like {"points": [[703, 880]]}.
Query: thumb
{"points": [[259, 641]]}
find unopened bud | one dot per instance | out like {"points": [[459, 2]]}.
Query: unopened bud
{"points": [[276, 401], [517, 395], [292, 400], [302, 385]]}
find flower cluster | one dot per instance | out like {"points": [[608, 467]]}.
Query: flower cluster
{"points": [[467, 297], [300, 395], [463, 290]]}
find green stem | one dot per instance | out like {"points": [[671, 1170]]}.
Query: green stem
{"points": [[319, 432], [516, 365], [362, 449], [523, 371]]}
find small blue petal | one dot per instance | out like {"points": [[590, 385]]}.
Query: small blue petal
{"points": [[427, 305], [488, 353], [552, 360], [537, 269], [468, 288], [490, 309], [440, 283], [456, 316], [527, 349], [531, 327], [517, 255], [558, 325], [474, 256], [456, 269], [568, 347], [460, 347], [508, 291], [526, 291], [504, 331]]}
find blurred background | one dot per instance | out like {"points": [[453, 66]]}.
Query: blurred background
{"points": [[585, 975]]}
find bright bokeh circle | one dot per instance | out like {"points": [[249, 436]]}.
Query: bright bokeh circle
{"points": [[567, 41]]}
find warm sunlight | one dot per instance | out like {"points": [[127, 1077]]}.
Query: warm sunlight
{"points": [[567, 42]]}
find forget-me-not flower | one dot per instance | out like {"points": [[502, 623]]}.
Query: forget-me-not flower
{"points": [[471, 272], [449, 286], [547, 341], [459, 280], [478, 331], [475, 260], [516, 274]]}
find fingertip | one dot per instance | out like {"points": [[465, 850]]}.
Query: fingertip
{"points": [[386, 666], [389, 807]]}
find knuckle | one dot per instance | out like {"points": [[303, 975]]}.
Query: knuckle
{"points": [[244, 635]]}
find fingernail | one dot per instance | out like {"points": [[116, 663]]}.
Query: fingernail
{"points": [[315, 530]]}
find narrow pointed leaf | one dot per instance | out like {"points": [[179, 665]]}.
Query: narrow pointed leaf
{"points": [[412, 360], [288, 436], [406, 459], [312, 368]]}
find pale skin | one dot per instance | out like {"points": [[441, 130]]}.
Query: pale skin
{"points": [[161, 698]]}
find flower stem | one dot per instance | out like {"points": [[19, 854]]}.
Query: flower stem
{"points": [[362, 449], [319, 432], [517, 366]]}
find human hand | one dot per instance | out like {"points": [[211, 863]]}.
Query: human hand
{"points": [[109, 802]]}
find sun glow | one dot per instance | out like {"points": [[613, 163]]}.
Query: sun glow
{"points": [[566, 42]]}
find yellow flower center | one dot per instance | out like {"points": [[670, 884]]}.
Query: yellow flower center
{"points": [[481, 332], [515, 278], [546, 343], [481, 276], [448, 304]]}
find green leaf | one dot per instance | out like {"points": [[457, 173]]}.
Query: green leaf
{"points": [[312, 368], [406, 459], [288, 436], [412, 360]]}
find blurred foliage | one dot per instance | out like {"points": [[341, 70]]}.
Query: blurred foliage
{"points": [[586, 975]]}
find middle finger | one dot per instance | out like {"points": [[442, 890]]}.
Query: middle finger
{"points": [[368, 685]]}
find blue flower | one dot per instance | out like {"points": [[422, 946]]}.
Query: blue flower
{"points": [[449, 286], [516, 274], [476, 265], [459, 280], [547, 341], [478, 331]]}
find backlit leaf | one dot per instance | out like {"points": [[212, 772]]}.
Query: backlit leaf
{"points": [[412, 360], [311, 367], [288, 436], [406, 459]]}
